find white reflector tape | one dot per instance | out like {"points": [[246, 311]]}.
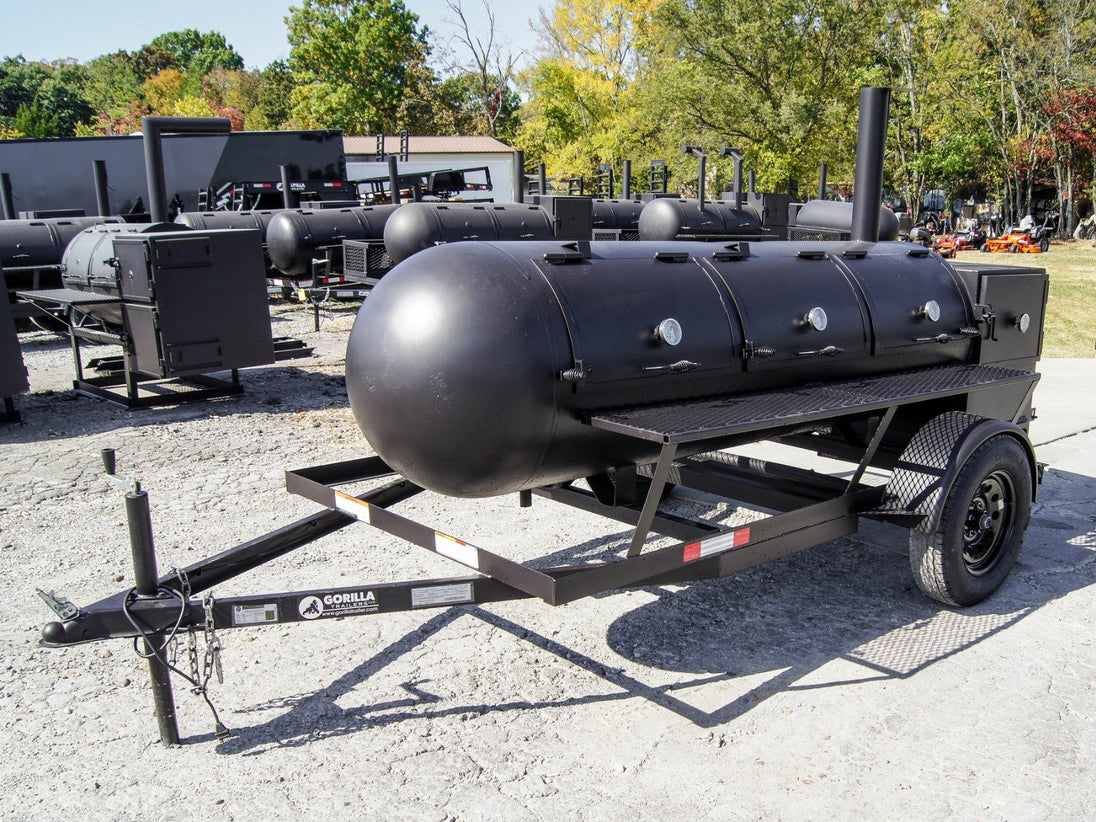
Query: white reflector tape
{"points": [[353, 506], [453, 548]]}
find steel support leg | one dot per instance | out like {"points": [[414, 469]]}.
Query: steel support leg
{"points": [[144, 572], [654, 496]]}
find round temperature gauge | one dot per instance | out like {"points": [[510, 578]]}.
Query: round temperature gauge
{"points": [[669, 331]]}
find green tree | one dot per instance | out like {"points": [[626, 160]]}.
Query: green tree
{"points": [[779, 79], [350, 61], [49, 100], [113, 89], [35, 121], [19, 83]]}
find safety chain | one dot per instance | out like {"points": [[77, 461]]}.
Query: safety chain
{"points": [[211, 662]]}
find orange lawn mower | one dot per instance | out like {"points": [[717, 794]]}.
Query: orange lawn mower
{"points": [[1027, 241]]}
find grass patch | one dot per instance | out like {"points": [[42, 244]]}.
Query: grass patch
{"points": [[1070, 329]]}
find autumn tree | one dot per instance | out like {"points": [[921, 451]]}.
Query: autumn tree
{"points": [[579, 89]]}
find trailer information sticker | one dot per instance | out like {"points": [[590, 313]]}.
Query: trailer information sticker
{"points": [[441, 595], [716, 545], [254, 614]]}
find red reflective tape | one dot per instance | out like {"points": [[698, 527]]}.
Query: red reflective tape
{"points": [[741, 537], [692, 551]]}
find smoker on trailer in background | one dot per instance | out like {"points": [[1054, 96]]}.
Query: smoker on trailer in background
{"points": [[877, 353]]}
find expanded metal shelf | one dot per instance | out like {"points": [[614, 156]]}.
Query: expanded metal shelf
{"points": [[682, 422]]}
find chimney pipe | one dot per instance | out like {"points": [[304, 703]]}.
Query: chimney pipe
{"points": [[152, 130], [5, 197], [102, 197], [290, 199], [626, 185], [870, 144], [519, 176], [822, 181], [393, 179]]}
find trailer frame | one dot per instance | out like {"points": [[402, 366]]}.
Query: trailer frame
{"points": [[805, 508]]}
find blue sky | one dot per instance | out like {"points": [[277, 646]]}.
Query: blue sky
{"points": [[83, 29]]}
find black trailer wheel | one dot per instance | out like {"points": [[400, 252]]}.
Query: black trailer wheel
{"points": [[981, 527]]}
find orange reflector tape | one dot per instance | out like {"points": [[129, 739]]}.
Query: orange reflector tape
{"points": [[353, 506], [724, 542], [456, 549]]}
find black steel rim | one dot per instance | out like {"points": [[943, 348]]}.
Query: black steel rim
{"points": [[988, 523]]}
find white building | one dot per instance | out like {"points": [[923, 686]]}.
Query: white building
{"points": [[435, 154]]}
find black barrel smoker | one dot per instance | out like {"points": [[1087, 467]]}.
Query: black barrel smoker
{"points": [[603, 375], [181, 304]]}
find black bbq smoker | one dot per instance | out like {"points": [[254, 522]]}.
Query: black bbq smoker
{"points": [[601, 375]]}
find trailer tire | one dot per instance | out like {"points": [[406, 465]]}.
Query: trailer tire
{"points": [[981, 526]]}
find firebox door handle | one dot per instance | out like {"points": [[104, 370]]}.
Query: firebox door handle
{"points": [[828, 351], [680, 367]]}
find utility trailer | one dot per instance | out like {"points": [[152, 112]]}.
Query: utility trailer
{"points": [[963, 484]]}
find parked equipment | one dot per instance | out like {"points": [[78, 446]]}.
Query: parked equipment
{"points": [[417, 226], [300, 241], [180, 303], [1016, 241], [602, 375], [31, 251]]}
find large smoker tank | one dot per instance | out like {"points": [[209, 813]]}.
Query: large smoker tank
{"points": [[832, 218], [295, 238], [617, 215], [418, 226], [39, 243], [669, 219], [470, 365], [199, 220]]}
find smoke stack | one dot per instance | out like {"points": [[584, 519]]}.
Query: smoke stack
{"points": [[871, 141], [102, 197], [394, 178], [519, 176], [5, 197]]}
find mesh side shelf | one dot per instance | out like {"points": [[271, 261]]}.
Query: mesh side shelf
{"points": [[742, 413], [68, 296]]}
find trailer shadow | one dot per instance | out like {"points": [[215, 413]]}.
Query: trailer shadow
{"points": [[836, 616]]}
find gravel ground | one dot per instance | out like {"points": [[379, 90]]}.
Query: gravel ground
{"points": [[819, 686]]}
